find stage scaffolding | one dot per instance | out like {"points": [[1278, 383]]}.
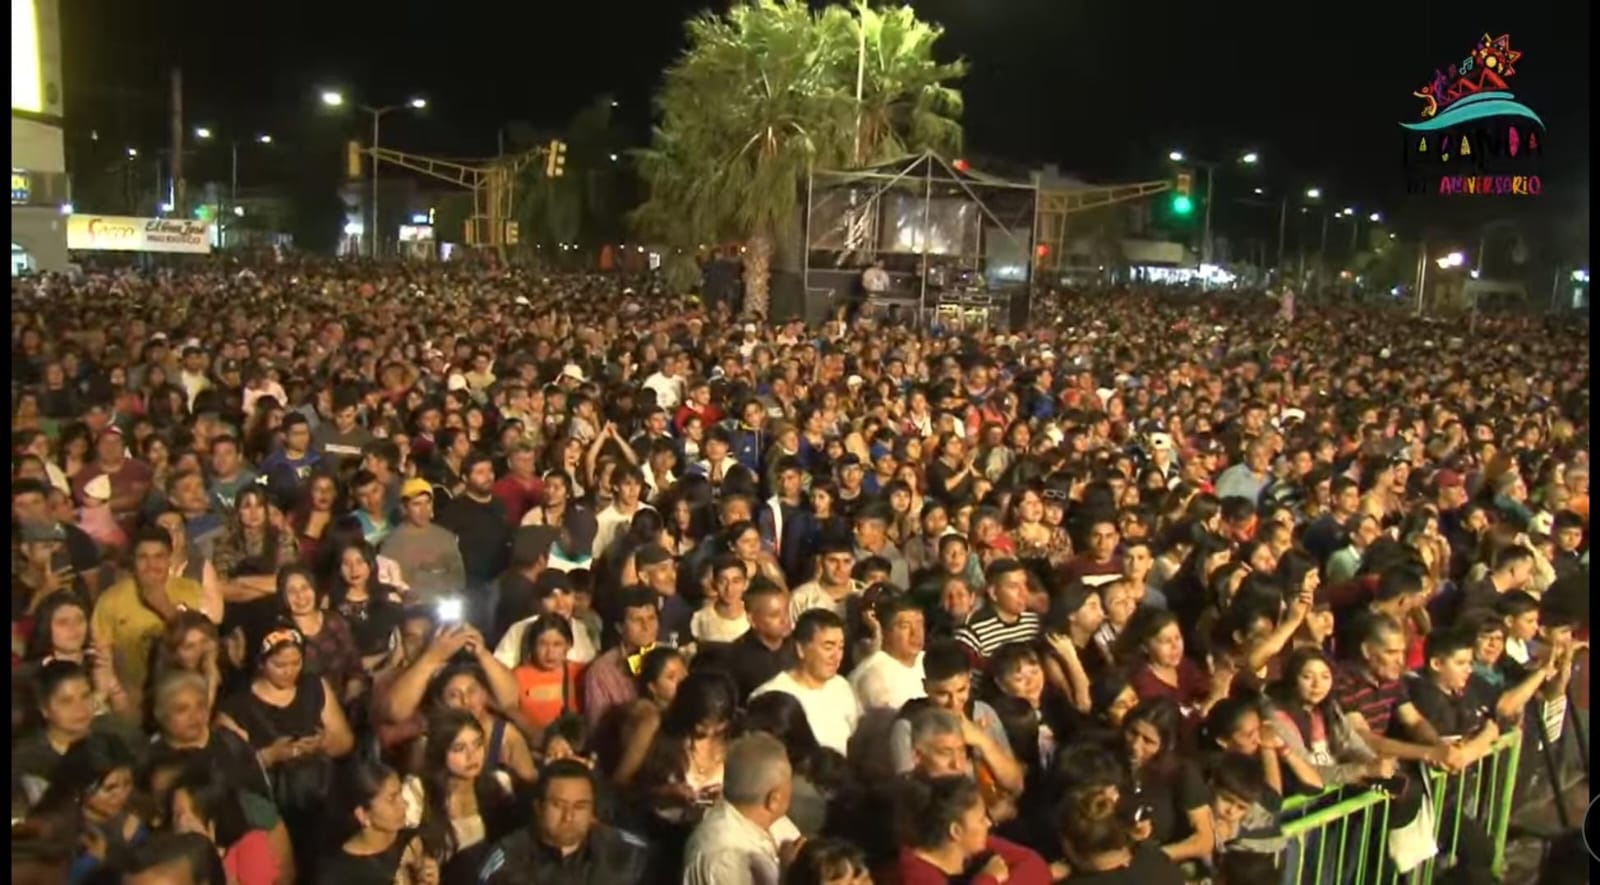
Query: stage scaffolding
{"points": [[958, 244]]}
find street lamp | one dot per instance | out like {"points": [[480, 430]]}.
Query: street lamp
{"points": [[1375, 217], [1177, 156], [337, 99], [1454, 259], [133, 152], [1314, 193], [206, 134]]}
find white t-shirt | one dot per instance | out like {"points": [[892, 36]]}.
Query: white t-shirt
{"points": [[881, 682], [809, 596], [708, 626], [509, 651], [832, 710]]}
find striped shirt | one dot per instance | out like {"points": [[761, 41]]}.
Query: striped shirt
{"points": [[986, 632], [1357, 692]]}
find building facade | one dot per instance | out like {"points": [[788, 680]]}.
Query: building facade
{"points": [[40, 189]]}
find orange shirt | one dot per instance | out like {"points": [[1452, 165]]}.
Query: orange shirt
{"points": [[544, 695]]}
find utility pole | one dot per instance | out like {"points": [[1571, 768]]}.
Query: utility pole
{"points": [[1283, 221], [1322, 255], [178, 206], [1422, 274], [233, 196], [373, 246], [1205, 234]]}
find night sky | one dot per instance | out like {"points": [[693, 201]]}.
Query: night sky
{"points": [[1102, 88]]}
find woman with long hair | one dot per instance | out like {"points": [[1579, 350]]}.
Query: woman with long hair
{"points": [[1166, 784], [465, 688], [330, 651], [1301, 709], [1033, 538], [314, 514], [371, 608], [375, 845], [682, 773], [624, 745], [61, 633], [549, 684], [460, 804], [294, 722], [254, 545], [190, 644], [1152, 646]]}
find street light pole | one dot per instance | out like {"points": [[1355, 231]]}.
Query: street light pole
{"points": [[372, 247], [233, 195], [1205, 233], [1283, 221]]}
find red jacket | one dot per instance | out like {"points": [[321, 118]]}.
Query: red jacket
{"points": [[709, 416], [1027, 867]]}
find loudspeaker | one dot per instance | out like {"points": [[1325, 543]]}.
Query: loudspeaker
{"points": [[788, 297]]}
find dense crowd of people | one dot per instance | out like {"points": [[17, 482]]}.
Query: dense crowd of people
{"points": [[360, 573]]}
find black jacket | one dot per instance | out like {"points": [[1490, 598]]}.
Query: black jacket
{"points": [[608, 857]]}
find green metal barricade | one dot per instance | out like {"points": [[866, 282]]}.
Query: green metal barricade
{"points": [[1480, 794], [1340, 836], [1336, 844]]}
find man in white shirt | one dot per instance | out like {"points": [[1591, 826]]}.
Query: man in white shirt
{"points": [[734, 844], [668, 382], [892, 675], [612, 522], [833, 587], [830, 705]]}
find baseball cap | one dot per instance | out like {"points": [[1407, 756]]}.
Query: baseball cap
{"points": [[571, 370], [415, 487]]}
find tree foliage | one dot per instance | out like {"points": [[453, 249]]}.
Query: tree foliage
{"points": [[767, 92], [584, 205]]}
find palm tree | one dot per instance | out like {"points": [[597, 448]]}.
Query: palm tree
{"points": [[764, 94], [905, 105]]}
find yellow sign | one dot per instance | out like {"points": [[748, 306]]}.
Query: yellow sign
{"points": [[121, 233], [21, 187], [27, 72]]}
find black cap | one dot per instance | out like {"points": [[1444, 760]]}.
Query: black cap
{"points": [[850, 459]]}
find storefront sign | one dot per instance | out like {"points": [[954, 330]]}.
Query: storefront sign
{"points": [[21, 187], [120, 233]]}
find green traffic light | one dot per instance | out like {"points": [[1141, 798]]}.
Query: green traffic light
{"points": [[1182, 205]]}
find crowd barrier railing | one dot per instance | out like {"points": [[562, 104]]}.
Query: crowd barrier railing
{"points": [[1341, 836]]}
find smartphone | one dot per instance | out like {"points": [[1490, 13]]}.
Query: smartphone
{"points": [[449, 610], [1143, 813]]}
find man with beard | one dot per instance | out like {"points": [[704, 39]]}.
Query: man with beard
{"points": [[478, 519]]}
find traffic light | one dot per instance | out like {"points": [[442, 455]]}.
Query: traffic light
{"points": [[555, 159], [1182, 194], [352, 160]]}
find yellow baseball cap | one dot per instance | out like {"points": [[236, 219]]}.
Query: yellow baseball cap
{"points": [[414, 487]]}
